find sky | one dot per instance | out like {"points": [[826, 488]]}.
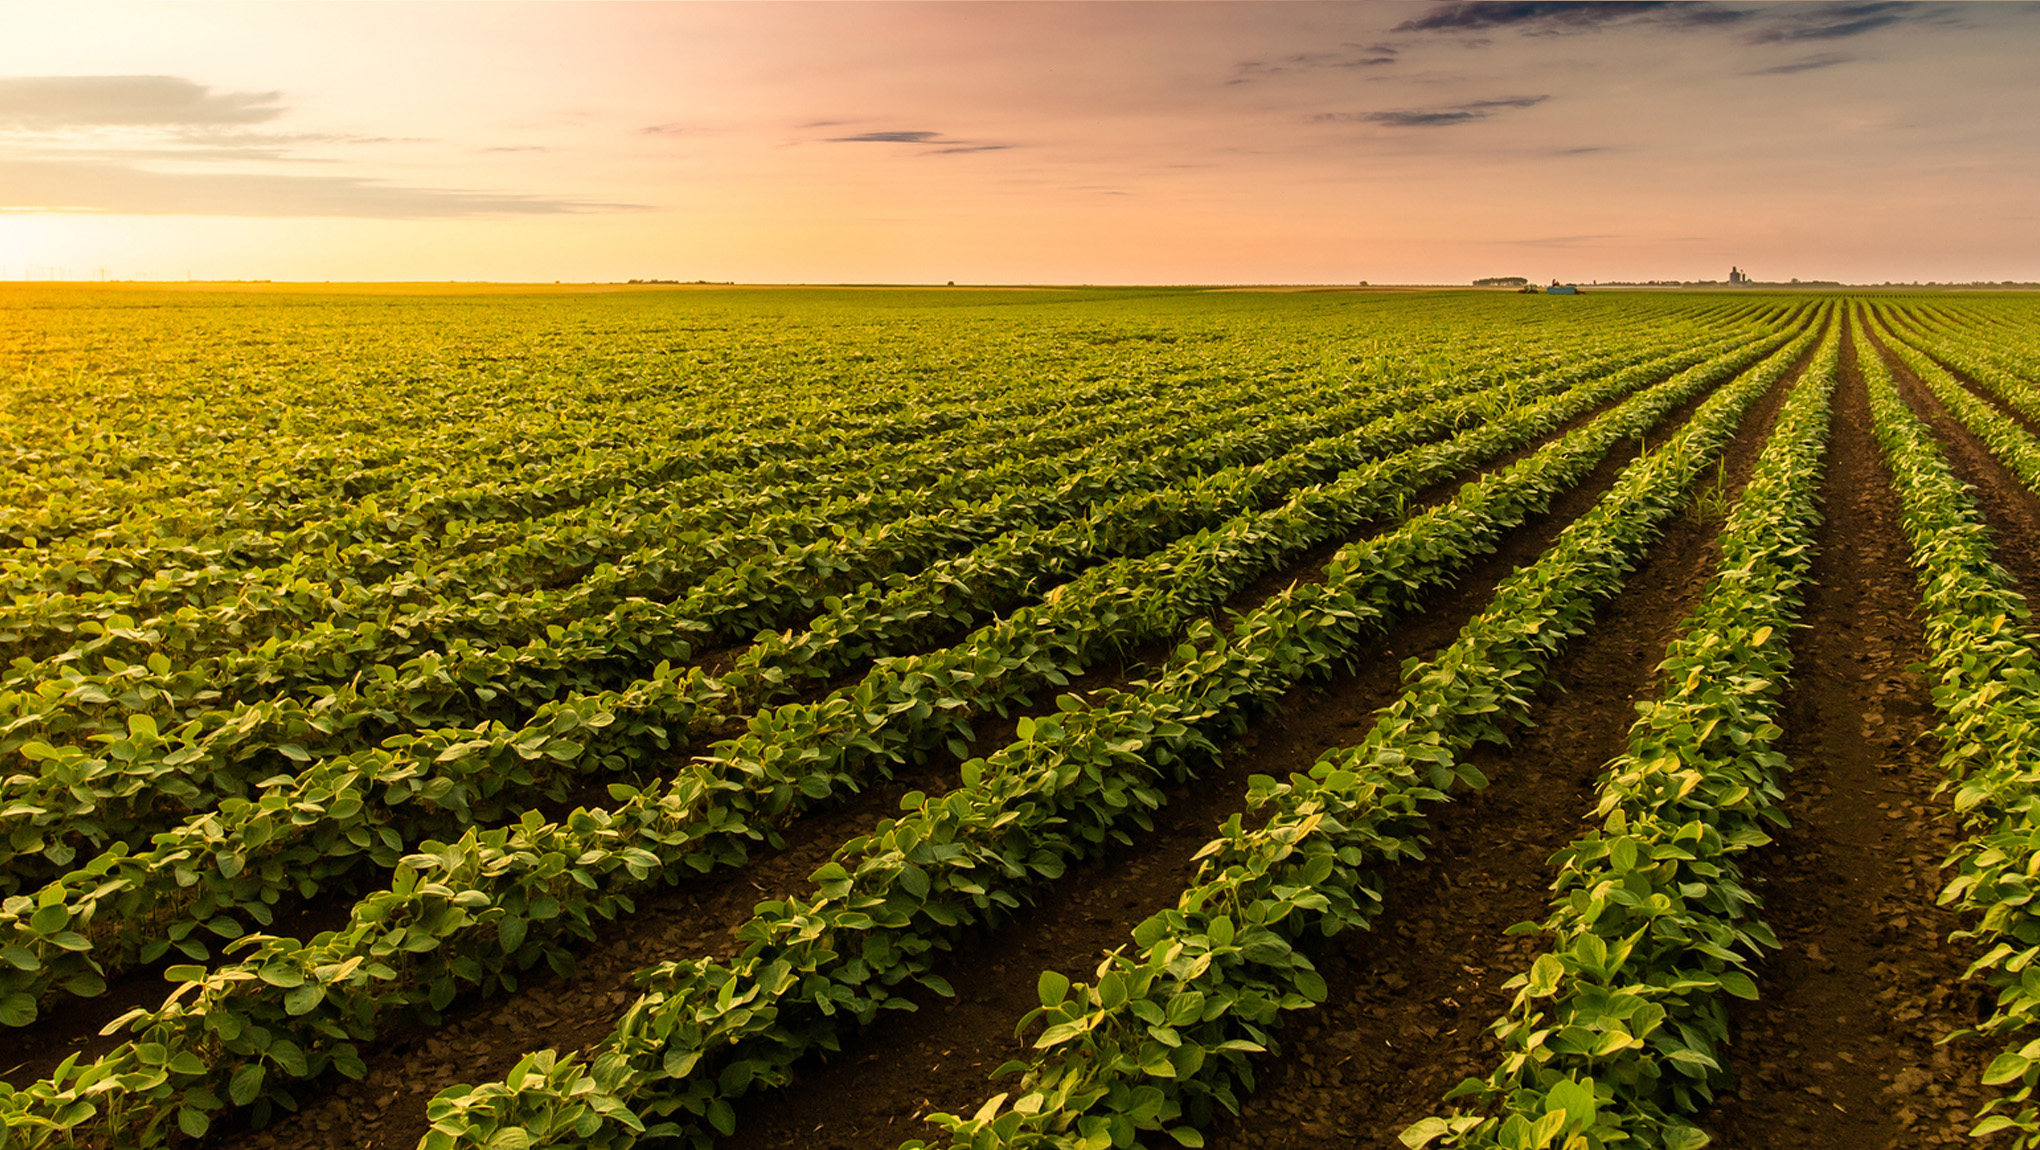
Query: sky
{"points": [[982, 141]]}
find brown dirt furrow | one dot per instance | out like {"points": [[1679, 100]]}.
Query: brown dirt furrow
{"points": [[1839, 1052], [481, 1039], [1411, 1000], [73, 1026], [1310, 568], [70, 1026], [1988, 396], [869, 1096], [2009, 506]]}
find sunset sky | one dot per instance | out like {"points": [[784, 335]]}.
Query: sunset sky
{"points": [[1049, 142]]}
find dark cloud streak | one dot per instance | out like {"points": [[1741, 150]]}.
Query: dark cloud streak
{"points": [[1824, 60], [1433, 117], [887, 138], [1836, 21], [936, 143], [1550, 17], [1349, 57]]}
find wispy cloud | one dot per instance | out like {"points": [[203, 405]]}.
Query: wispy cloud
{"points": [[1553, 17], [675, 128], [1347, 56], [49, 103], [1837, 21], [1810, 63], [105, 143], [1433, 117], [1563, 241], [85, 185], [887, 138], [937, 143]]}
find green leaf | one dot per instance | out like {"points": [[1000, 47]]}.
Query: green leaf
{"points": [[722, 1117], [193, 1121], [1622, 855], [1685, 1138], [1111, 990], [16, 1009], [304, 999], [1051, 987], [1312, 985], [1575, 1099], [245, 1084], [2006, 1067], [85, 985], [737, 1076], [510, 931], [1423, 1132], [289, 1056]]}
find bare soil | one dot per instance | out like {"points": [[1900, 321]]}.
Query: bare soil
{"points": [[1411, 1000], [940, 1056], [1840, 1051], [870, 1097]]}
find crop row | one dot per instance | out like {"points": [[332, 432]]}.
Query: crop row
{"points": [[335, 624], [870, 899], [340, 645], [1616, 1031], [334, 467], [234, 457], [1982, 654], [1164, 1039], [321, 822], [233, 864], [566, 459], [1068, 757], [757, 475], [2011, 443], [534, 554], [82, 799], [1992, 364], [223, 599]]}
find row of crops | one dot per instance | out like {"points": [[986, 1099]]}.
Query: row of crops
{"points": [[469, 623]]}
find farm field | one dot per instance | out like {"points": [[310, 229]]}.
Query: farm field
{"points": [[1018, 718]]}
